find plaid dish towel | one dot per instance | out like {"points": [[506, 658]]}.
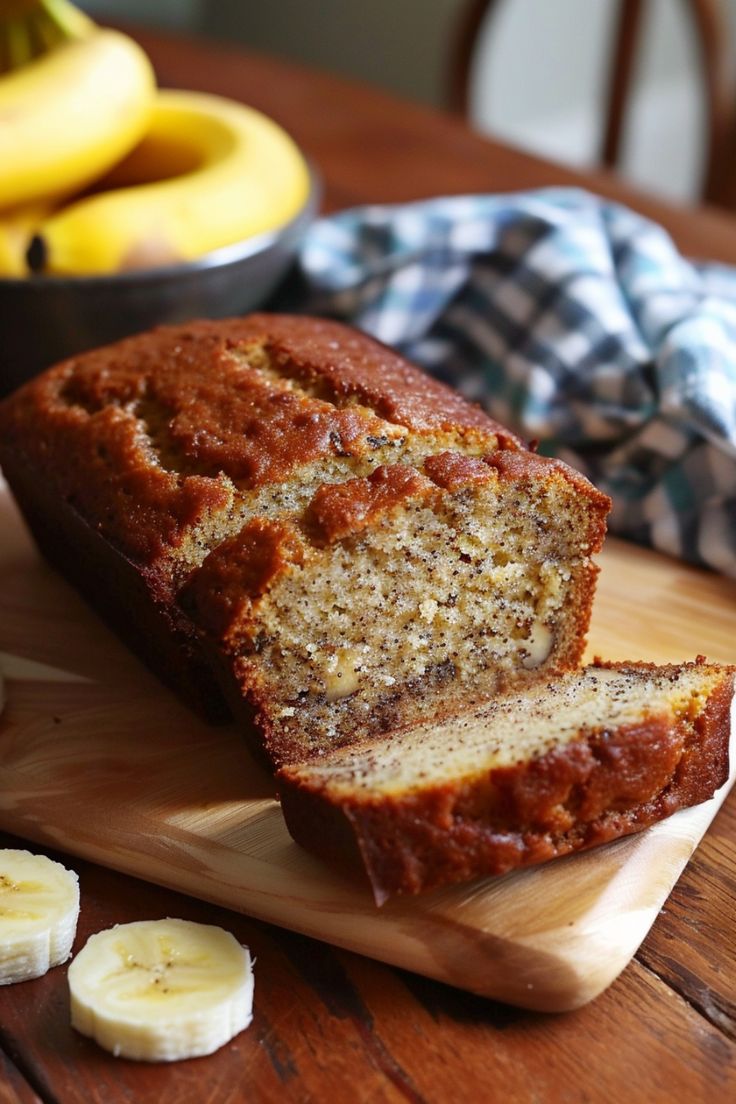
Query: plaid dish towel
{"points": [[572, 320]]}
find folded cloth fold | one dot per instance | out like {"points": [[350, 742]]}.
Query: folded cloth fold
{"points": [[573, 320]]}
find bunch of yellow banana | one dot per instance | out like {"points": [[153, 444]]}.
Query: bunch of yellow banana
{"points": [[165, 176], [208, 173]]}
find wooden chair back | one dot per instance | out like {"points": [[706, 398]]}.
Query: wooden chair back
{"points": [[709, 25]]}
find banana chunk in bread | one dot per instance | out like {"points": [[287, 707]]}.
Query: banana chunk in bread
{"points": [[568, 764], [285, 508]]}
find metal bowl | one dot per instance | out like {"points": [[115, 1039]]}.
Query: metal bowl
{"points": [[46, 318]]}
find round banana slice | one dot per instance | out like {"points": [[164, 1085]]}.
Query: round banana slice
{"points": [[160, 990], [39, 908]]}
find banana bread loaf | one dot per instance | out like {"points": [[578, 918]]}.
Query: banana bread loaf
{"points": [[568, 764], [286, 508]]}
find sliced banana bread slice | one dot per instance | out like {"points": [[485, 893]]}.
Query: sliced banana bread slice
{"points": [[568, 764]]}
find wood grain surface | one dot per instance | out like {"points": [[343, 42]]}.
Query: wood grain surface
{"points": [[172, 800], [332, 1024]]}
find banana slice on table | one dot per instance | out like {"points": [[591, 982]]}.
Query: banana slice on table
{"points": [[160, 990], [39, 908]]}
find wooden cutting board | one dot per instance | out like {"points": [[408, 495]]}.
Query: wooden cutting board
{"points": [[97, 758]]}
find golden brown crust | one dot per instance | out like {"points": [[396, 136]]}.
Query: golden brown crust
{"points": [[220, 595], [100, 467], [452, 471], [604, 785], [340, 510], [348, 364], [146, 437]]}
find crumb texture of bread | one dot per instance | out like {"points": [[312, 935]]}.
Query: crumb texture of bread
{"points": [[565, 765], [346, 542]]}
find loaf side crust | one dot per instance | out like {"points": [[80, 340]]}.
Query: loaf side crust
{"points": [[129, 603]]}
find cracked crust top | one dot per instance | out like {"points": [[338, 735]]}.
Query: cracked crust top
{"points": [[153, 437]]}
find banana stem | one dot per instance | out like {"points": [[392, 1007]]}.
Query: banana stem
{"points": [[70, 20], [30, 28]]}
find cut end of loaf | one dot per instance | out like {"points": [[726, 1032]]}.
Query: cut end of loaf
{"points": [[404, 595], [568, 764], [436, 605]]}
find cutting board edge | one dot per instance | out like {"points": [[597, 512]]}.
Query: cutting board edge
{"points": [[571, 983], [538, 1000]]}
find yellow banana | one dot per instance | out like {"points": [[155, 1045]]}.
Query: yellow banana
{"points": [[17, 227], [209, 172], [68, 116]]}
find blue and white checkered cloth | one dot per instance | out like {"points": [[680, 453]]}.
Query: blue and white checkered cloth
{"points": [[575, 322]]}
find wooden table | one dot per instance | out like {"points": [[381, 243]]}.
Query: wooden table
{"points": [[330, 1024]]}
